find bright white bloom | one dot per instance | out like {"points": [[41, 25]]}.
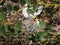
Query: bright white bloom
{"points": [[26, 5], [39, 11], [40, 7], [24, 12], [26, 15], [37, 22]]}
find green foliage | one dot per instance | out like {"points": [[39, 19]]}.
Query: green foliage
{"points": [[56, 1], [10, 31], [48, 28], [49, 11], [7, 28], [1, 10], [41, 35], [35, 7], [14, 30], [9, 7], [16, 7], [18, 26], [28, 2], [2, 16], [38, 36], [42, 24], [30, 11], [1, 30]]}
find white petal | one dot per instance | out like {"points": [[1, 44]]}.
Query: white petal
{"points": [[26, 4], [40, 7], [30, 15], [35, 14], [39, 11], [24, 12], [37, 22]]}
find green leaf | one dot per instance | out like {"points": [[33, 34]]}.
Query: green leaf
{"points": [[42, 24], [1, 34], [7, 28], [18, 26], [48, 29], [56, 1], [9, 7], [2, 16], [15, 35], [1, 31], [49, 10], [35, 7], [38, 36], [1, 10], [28, 2], [16, 7], [30, 11], [41, 34]]}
